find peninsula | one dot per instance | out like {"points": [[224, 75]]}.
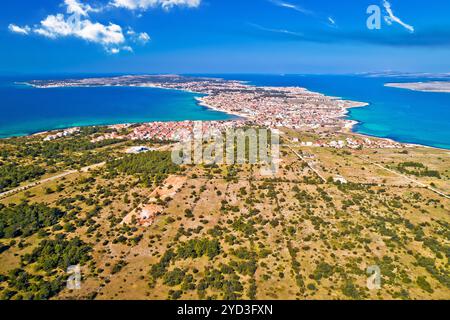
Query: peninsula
{"points": [[290, 107], [429, 86]]}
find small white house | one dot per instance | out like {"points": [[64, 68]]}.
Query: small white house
{"points": [[340, 179], [138, 149]]}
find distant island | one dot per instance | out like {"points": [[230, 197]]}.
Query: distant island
{"points": [[429, 86]]}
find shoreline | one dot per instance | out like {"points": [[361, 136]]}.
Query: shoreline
{"points": [[427, 86], [203, 103], [351, 123], [348, 127]]}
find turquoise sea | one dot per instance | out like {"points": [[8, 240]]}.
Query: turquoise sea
{"points": [[25, 110], [402, 115]]}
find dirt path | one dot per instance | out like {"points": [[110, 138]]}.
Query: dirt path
{"points": [[309, 165], [407, 178], [59, 176]]}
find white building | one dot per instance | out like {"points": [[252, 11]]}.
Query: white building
{"points": [[340, 179], [138, 149]]}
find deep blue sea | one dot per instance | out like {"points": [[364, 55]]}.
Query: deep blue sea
{"points": [[25, 110], [403, 115]]}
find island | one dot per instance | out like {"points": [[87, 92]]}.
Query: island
{"points": [[429, 86]]}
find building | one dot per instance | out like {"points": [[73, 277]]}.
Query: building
{"points": [[340, 179], [138, 149]]}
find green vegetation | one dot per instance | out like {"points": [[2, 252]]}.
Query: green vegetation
{"points": [[118, 266], [51, 256], [25, 286], [417, 169], [12, 174], [196, 248], [228, 283], [424, 284], [71, 152], [223, 231], [352, 291], [151, 167], [58, 253], [25, 219]]}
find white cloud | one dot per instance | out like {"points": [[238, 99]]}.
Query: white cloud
{"points": [[114, 50], [74, 6], [393, 18], [21, 30], [55, 26], [146, 4], [144, 37], [141, 37], [117, 50], [319, 16], [291, 6], [97, 32], [77, 23], [283, 31]]}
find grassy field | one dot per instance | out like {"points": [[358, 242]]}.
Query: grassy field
{"points": [[230, 233]]}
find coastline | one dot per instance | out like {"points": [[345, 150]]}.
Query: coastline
{"points": [[406, 144], [347, 127], [351, 123], [203, 103], [429, 86]]}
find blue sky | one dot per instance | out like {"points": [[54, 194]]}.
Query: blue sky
{"points": [[223, 36]]}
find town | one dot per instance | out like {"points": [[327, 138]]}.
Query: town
{"points": [[271, 107], [290, 107]]}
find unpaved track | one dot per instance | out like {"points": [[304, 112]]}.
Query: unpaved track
{"points": [[59, 176]]}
